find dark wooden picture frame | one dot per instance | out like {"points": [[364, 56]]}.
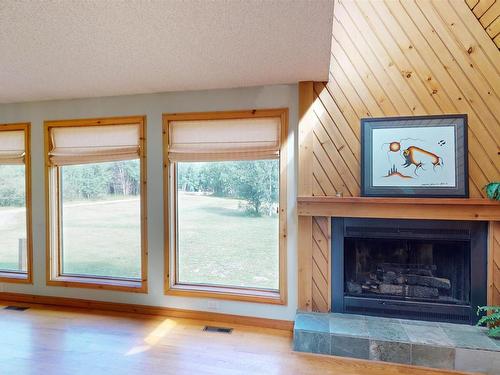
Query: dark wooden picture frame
{"points": [[415, 165]]}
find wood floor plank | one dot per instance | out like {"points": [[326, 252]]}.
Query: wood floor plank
{"points": [[58, 341]]}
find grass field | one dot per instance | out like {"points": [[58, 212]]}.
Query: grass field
{"points": [[221, 244], [218, 242], [12, 229], [102, 238]]}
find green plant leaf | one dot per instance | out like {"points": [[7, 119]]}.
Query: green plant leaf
{"points": [[488, 308], [493, 190], [492, 318], [494, 332]]}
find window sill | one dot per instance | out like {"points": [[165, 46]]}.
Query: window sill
{"points": [[15, 277], [227, 293], [99, 283]]}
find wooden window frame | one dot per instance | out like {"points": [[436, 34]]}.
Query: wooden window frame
{"points": [[54, 276], [171, 285], [23, 277]]}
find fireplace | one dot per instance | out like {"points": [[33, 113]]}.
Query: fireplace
{"points": [[412, 269]]}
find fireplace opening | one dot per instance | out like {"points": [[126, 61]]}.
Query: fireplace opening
{"points": [[413, 269], [417, 270]]}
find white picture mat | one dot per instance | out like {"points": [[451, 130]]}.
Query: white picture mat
{"points": [[437, 140]]}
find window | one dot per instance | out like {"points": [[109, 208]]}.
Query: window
{"points": [[225, 201], [15, 204], [97, 205]]}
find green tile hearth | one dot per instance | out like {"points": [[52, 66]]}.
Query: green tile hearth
{"points": [[431, 344]]}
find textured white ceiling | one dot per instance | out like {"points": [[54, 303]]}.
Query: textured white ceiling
{"points": [[70, 49]]}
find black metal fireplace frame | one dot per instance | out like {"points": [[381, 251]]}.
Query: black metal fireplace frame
{"points": [[475, 232]]}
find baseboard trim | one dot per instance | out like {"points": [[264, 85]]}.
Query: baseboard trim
{"points": [[286, 325]]}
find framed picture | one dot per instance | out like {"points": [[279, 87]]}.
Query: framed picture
{"points": [[415, 156]]}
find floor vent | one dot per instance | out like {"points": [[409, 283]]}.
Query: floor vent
{"points": [[217, 329], [16, 308]]}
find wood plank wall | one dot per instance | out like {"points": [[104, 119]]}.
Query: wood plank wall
{"points": [[488, 14], [320, 265], [390, 58]]}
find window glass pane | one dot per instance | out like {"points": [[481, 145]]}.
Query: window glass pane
{"points": [[101, 219], [13, 249], [228, 226]]}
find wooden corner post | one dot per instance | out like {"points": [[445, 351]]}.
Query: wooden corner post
{"points": [[305, 129]]}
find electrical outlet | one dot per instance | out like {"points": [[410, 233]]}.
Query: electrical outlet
{"points": [[213, 305]]}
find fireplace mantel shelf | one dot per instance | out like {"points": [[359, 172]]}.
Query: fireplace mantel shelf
{"points": [[401, 208]]}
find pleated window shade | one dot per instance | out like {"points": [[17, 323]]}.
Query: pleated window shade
{"points": [[93, 144], [12, 148], [228, 139]]}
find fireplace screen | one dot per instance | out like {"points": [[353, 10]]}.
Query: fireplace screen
{"points": [[419, 270]]}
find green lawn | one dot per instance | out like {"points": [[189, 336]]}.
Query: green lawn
{"points": [[218, 242], [12, 229], [102, 238]]}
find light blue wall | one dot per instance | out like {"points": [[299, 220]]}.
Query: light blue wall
{"points": [[153, 105]]}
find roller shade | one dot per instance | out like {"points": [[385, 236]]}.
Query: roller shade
{"points": [[219, 140], [93, 144], [12, 148]]}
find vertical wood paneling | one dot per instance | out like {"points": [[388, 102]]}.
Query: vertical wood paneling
{"points": [[394, 57]]}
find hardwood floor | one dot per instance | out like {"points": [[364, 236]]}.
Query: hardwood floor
{"points": [[50, 340]]}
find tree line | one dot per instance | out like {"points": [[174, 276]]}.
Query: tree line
{"points": [[12, 186], [79, 182], [255, 182], [93, 181]]}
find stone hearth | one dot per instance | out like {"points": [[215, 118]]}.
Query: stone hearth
{"points": [[431, 344]]}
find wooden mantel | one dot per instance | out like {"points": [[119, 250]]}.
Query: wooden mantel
{"points": [[401, 208]]}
